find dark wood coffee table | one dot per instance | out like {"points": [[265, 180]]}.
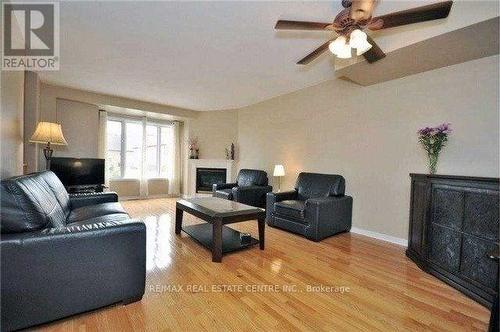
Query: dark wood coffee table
{"points": [[218, 212]]}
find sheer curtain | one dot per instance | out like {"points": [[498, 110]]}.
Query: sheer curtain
{"points": [[174, 174], [143, 188], [103, 140]]}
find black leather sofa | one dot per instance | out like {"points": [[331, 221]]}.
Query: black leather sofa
{"points": [[317, 208], [62, 255], [250, 188]]}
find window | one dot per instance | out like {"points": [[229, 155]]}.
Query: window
{"points": [[129, 155], [133, 145], [114, 143]]}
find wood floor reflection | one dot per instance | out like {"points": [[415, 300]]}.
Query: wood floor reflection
{"points": [[345, 283]]}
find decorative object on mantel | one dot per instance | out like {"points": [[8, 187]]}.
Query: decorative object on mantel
{"points": [[194, 150], [48, 133], [279, 171], [230, 152], [433, 139]]}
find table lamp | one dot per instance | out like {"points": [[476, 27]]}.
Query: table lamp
{"points": [[279, 171], [48, 133]]}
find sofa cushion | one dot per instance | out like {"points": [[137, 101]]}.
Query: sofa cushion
{"points": [[291, 209], [224, 193], [28, 203], [114, 217], [93, 211], [314, 185], [251, 177], [58, 190]]}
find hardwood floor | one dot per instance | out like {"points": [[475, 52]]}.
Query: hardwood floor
{"points": [[374, 287]]}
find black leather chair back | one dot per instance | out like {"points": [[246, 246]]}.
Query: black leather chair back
{"points": [[32, 202], [314, 185], [251, 177]]}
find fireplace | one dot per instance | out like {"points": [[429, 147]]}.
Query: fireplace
{"points": [[206, 177]]}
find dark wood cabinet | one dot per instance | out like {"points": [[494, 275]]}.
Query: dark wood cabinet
{"points": [[454, 226]]}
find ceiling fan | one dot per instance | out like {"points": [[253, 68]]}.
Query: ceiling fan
{"points": [[357, 16]]}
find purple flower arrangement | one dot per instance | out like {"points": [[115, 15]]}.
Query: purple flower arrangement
{"points": [[433, 139]]}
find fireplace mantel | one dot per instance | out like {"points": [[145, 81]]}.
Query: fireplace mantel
{"points": [[193, 164]]}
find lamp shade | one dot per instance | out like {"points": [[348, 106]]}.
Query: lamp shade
{"points": [[48, 132], [279, 170]]}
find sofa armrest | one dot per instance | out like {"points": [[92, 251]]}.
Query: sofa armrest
{"points": [[50, 274], [251, 195], [272, 198], [219, 186], [84, 199], [328, 215]]}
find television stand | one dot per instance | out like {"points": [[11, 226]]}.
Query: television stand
{"points": [[98, 188]]}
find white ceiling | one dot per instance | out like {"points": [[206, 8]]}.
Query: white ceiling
{"points": [[214, 55]]}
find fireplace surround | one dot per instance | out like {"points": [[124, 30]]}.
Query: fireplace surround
{"points": [[189, 186]]}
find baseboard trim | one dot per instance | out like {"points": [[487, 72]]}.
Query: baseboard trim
{"points": [[380, 236]]}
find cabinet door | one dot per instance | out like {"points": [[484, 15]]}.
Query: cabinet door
{"points": [[480, 237], [447, 206], [475, 263], [445, 237], [481, 214], [444, 249]]}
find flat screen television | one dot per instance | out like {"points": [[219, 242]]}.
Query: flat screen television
{"points": [[78, 171]]}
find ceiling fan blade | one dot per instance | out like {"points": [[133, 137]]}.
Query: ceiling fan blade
{"points": [[301, 25], [314, 54], [410, 16], [375, 53]]}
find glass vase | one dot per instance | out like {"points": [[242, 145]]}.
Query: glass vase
{"points": [[433, 160]]}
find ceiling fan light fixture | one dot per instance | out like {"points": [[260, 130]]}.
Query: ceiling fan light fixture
{"points": [[358, 40], [364, 48], [345, 53], [340, 48]]}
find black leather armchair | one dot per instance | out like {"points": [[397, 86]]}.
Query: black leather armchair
{"points": [[63, 255], [250, 188], [317, 208]]}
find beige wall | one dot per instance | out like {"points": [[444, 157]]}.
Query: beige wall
{"points": [[80, 123], [367, 134], [11, 119], [31, 113], [215, 130], [50, 94]]}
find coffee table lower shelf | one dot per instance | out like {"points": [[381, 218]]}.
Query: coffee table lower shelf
{"points": [[230, 237]]}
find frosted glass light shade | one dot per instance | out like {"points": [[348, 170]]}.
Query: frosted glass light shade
{"points": [[279, 170], [340, 48], [358, 40], [345, 53], [365, 47], [48, 132]]}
